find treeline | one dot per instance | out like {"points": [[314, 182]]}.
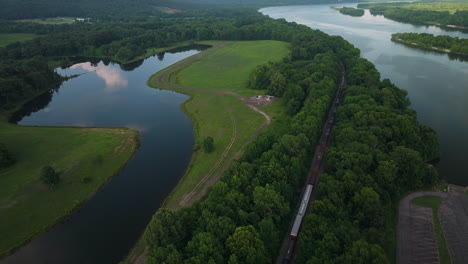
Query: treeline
{"points": [[377, 153], [98, 9], [404, 13], [431, 42], [115, 9], [351, 11], [123, 42], [25, 79]]}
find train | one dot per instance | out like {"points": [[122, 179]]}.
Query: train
{"points": [[315, 171]]}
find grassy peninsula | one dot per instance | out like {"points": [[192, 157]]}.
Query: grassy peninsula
{"points": [[451, 14], [210, 79], [85, 158]]}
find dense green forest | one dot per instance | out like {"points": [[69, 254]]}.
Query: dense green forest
{"points": [[350, 11], [378, 154], [410, 13], [118, 9], [431, 42]]}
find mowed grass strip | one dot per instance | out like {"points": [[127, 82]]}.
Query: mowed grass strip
{"points": [[9, 38], [434, 202], [28, 207], [210, 113], [229, 68]]}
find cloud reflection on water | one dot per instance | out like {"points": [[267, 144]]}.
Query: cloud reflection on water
{"points": [[113, 78]]}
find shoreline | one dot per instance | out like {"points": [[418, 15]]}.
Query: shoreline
{"points": [[416, 45], [135, 145]]}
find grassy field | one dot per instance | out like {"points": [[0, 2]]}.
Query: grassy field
{"points": [[224, 117], [451, 7], [228, 69], [8, 38], [27, 207], [50, 20], [434, 202]]}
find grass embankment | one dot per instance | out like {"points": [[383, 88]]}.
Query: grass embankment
{"points": [[27, 207], [434, 202], [228, 68], [9, 38], [224, 117]]}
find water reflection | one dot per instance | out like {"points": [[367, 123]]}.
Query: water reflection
{"points": [[112, 77], [39, 103]]}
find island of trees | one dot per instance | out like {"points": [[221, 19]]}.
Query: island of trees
{"points": [[442, 14], [351, 11], [426, 41]]}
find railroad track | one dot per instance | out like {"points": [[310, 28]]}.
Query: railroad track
{"points": [[288, 250]]}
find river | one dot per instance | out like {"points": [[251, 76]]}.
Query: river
{"points": [[437, 83], [109, 224]]}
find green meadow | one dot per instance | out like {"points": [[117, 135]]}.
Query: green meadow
{"points": [[8, 38], [222, 116], [85, 158], [229, 68]]}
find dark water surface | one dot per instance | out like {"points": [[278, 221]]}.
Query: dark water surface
{"points": [[108, 225], [437, 83]]}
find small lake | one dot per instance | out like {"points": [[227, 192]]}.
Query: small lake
{"points": [[108, 94], [437, 83]]}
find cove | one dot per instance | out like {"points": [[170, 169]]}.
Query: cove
{"points": [[107, 94], [437, 83]]}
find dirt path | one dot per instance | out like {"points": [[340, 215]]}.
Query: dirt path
{"points": [[187, 199]]}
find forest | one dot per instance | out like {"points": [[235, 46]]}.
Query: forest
{"points": [[350, 11], [118, 9], [378, 148], [246, 214], [410, 13], [431, 42]]}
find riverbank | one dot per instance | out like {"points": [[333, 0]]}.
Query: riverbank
{"points": [[215, 80], [416, 45], [85, 158]]}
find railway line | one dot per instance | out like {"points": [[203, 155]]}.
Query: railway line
{"points": [[289, 246]]}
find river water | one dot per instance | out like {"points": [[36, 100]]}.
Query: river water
{"points": [[437, 83], [109, 224]]}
